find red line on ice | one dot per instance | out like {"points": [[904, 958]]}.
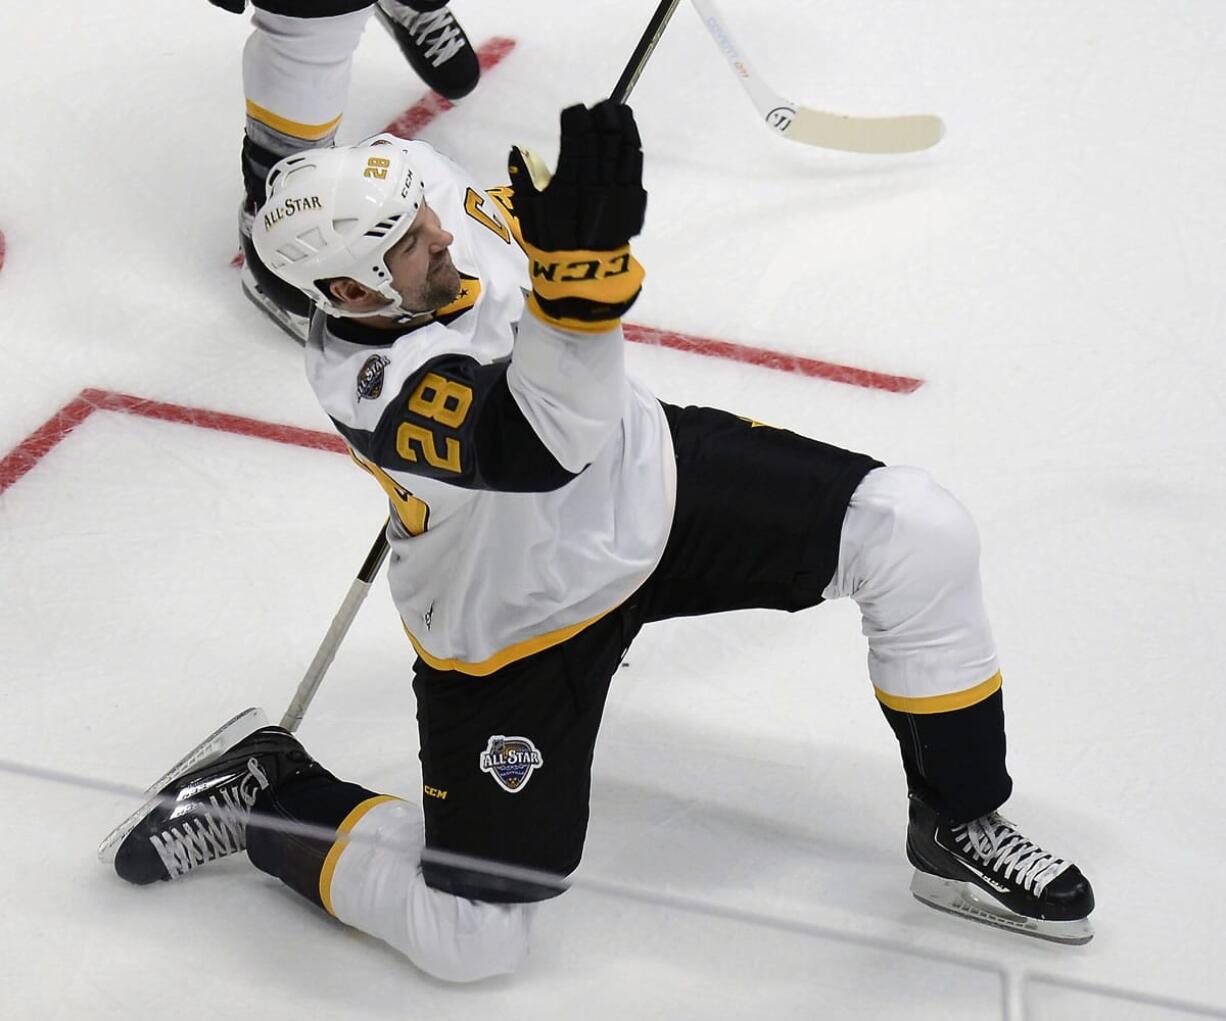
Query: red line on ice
{"points": [[44, 439], [772, 359], [40, 442], [3, 248], [239, 425]]}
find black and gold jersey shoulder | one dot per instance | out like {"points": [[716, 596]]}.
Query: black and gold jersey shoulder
{"points": [[457, 421]]}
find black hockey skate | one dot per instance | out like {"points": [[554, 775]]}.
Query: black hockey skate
{"points": [[434, 45], [202, 816], [987, 871], [286, 306]]}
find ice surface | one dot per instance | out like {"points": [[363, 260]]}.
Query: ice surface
{"points": [[1053, 272]]}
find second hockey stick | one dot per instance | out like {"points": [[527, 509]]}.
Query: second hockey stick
{"points": [[906, 133]]}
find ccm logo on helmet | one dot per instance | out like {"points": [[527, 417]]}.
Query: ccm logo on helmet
{"points": [[288, 208], [408, 183]]}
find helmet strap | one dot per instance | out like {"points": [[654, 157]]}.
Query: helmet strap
{"points": [[393, 310]]}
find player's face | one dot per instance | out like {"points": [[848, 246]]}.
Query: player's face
{"points": [[421, 266]]}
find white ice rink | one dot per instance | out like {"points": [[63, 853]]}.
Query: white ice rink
{"points": [[1052, 271]]}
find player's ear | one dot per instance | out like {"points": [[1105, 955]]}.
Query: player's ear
{"points": [[347, 291]]}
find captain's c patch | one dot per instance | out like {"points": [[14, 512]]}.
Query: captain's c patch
{"points": [[510, 761]]}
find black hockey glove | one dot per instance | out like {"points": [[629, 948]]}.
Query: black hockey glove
{"points": [[233, 6], [577, 225]]}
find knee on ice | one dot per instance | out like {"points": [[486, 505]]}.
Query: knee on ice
{"points": [[472, 940]]}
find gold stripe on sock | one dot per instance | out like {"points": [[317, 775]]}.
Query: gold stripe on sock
{"points": [[307, 132], [941, 703], [338, 848]]}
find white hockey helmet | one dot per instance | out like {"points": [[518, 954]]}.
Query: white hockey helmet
{"points": [[336, 213]]}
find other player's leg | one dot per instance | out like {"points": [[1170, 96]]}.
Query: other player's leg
{"points": [[296, 68]]}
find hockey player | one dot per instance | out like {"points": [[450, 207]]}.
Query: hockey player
{"points": [[296, 66], [467, 345]]}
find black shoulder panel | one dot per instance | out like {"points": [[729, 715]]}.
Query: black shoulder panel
{"points": [[456, 420]]}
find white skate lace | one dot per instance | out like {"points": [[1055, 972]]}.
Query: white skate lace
{"points": [[996, 842], [222, 830], [448, 40]]}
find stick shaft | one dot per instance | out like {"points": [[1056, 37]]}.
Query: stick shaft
{"points": [[642, 52], [336, 633]]}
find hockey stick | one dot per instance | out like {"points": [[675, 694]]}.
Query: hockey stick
{"points": [[250, 720], [908, 133], [378, 552]]}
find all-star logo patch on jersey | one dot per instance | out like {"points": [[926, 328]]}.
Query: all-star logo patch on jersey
{"points": [[510, 761], [370, 377]]}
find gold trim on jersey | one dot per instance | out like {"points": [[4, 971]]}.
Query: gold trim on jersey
{"points": [[470, 291], [342, 841], [308, 132], [512, 653], [926, 704], [413, 513]]}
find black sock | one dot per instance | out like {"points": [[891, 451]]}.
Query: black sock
{"points": [[317, 798], [955, 761]]}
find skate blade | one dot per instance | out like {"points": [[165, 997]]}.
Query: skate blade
{"points": [[225, 736], [296, 326], [968, 901]]}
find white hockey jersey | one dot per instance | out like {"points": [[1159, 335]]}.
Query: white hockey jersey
{"points": [[532, 483]]}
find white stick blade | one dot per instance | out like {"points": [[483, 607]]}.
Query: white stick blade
{"points": [[910, 133]]}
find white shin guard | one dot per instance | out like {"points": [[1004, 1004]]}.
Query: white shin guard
{"points": [[909, 556], [380, 890], [297, 69]]}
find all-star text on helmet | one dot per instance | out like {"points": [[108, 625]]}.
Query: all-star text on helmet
{"points": [[336, 213]]}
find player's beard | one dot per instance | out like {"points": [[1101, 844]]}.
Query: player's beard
{"points": [[442, 285]]}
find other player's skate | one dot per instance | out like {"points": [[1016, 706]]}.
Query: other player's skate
{"points": [[434, 45], [988, 871], [202, 816], [289, 310]]}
